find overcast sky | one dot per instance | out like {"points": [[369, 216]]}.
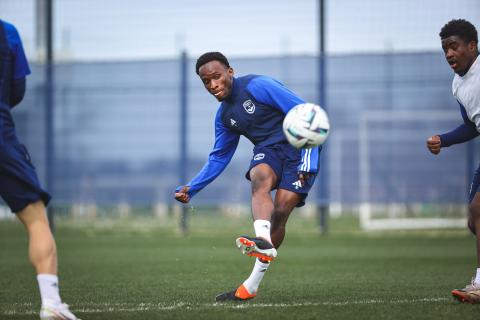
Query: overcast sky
{"points": [[149, 29]]}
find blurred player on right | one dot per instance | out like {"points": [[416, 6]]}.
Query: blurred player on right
{"points": [[460, 44]]}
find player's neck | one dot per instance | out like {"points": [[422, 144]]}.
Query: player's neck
{"points": [[469, 67]]}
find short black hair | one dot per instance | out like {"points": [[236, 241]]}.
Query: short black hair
{"points": [[461, 28], [211, 56]]}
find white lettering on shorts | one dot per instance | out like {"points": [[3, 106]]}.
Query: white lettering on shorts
{"points": [[259, 156], [297, 184]]}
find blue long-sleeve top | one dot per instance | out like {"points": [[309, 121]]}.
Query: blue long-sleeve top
{"points": [[13, 71], [255, 109], [14, 67], [463, 133]]}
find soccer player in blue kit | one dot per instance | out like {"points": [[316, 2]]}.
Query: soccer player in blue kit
{"points": [[19, 185], [254, 106], [460, 45]]}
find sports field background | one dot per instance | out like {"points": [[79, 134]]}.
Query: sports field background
{"points": [[110, 129], [115, 129], [144, 269]]}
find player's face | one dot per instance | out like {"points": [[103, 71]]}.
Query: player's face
{"points": [[217, 79], [459, 54]]}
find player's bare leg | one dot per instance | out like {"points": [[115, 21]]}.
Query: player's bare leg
{"points": [[471, 293], [41, 246], [42, 252], [474, 222], [285, 202], [263, 180]]}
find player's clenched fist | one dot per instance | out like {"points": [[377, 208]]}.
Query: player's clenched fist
{"points": [[182, 194], [434, 144]]}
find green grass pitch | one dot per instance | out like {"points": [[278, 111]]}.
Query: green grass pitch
{"points": [[144, 269]]}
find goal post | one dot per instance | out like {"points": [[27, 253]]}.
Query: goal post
{"points": [[403, 186]]}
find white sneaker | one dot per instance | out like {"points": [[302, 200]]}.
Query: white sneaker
{"points": [[469, 294], [60, 312]]}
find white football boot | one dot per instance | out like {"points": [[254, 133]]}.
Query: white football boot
{"points": [[60, 312], [469, 294]]}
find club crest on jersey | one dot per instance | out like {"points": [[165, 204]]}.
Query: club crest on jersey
{"points": [[249, 106], [259, 156]]}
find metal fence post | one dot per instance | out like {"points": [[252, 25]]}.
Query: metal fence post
{"points": [[183, 163], [323, 177], [45, 34]]}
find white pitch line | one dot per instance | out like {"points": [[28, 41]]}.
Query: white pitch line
{"points": [[128, 307], [332, 303]]}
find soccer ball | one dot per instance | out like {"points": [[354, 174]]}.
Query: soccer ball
{"points": [[306, 126]]}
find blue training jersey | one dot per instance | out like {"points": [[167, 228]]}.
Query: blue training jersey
{"points": [[255, 109], [13, 66], [20, 64]]}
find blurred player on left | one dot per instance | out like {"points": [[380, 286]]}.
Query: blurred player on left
{"points": [[19, 185]]}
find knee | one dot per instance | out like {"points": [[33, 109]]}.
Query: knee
{"points": [[471, 226], [474, 211], [473, 216], [282, 209], [262, 183], [281, 213]]}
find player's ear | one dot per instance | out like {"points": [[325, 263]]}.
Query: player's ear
{"points": [[473, 46], [230, 71]]}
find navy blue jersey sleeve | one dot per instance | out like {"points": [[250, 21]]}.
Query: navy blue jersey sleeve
{"points": [[226, 143], [463, 133], [271, 92], [20, 63]]}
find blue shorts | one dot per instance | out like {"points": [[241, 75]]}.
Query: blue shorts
{"points": [[284, 160], [475, 184], [19, 185]]}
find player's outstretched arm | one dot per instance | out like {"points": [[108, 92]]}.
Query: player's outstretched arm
{"points": [[225, 145], [463, 133], [182, 194], [434, 144]]}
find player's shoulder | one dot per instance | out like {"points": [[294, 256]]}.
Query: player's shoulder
{"points": [[11, 32], [469, 82], [10, 29], [261, 81]]}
